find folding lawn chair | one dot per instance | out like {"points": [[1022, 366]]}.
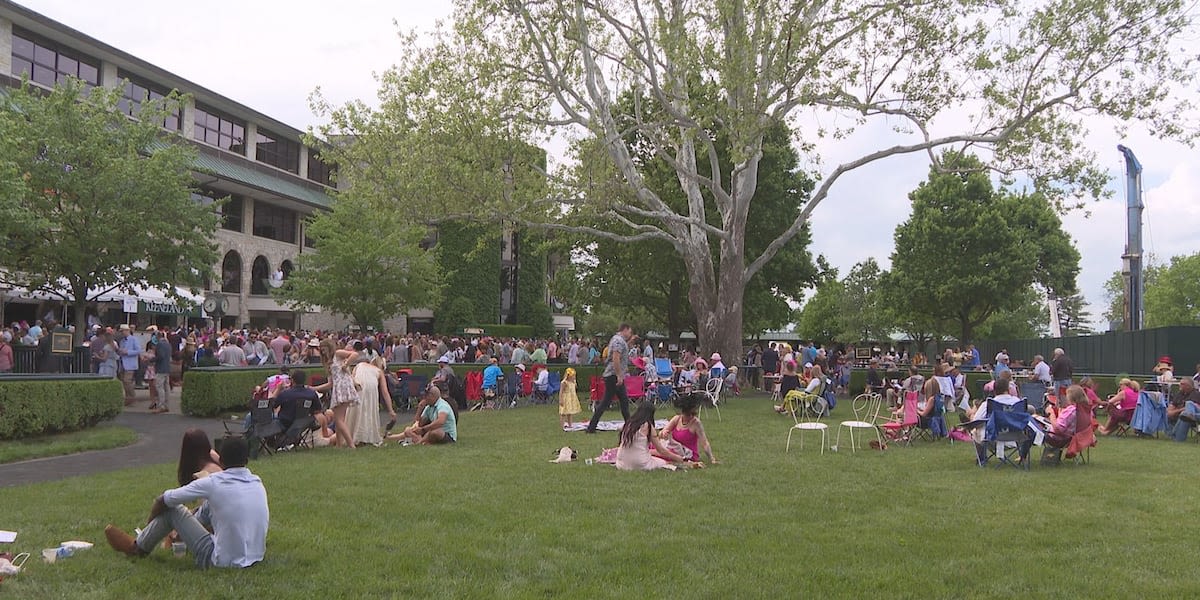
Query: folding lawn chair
{"points": [[663, 368], [1150, 416], [635, 387], [264, 427], [903, 430], [1034, 393], [1006, 431]]}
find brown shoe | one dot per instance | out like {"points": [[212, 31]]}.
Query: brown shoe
{"points": [[121, 541]]}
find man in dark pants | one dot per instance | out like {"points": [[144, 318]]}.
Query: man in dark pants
{"points": [[614, 376]]}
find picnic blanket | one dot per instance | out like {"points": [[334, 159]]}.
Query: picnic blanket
{"points": [[612, 425]]}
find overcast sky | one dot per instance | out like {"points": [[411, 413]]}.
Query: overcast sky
{"points": [[271, 54]]}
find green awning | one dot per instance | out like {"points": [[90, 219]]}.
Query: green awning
{"points": [[230, 169]]}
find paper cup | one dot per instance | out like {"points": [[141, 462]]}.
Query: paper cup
{"points": [[179, 548]]}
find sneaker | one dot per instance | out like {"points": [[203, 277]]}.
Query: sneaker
{"points": [[405, 442]]}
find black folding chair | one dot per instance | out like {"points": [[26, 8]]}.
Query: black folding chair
{"points": [[264, 427]]}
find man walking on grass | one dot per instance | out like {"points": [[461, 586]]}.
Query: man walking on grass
{"points": [[615, 369], [235, 509]]}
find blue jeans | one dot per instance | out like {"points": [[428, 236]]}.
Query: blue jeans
{"points": [[191, 530], [1061, 383], [1179, 431]]}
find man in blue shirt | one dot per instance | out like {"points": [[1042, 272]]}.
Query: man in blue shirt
{"points": [[130, 351], [491, 375], [235, 509]]}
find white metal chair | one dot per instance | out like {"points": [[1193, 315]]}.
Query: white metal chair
{"points": [[806, 421], [712, 390], [869, 420]]}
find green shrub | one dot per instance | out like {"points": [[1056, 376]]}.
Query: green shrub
{"points": [[210, 391], [32, 406]]}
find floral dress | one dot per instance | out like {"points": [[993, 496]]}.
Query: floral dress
{"points": [[343, 391]]}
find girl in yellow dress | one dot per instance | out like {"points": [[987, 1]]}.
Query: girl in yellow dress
{"points": [[568, 400]]}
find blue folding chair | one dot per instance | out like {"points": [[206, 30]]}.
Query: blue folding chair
{"points": [[1034, 392], [662, 366], [1006, 435], [554, 384], [1150, 416], [512, 391]]}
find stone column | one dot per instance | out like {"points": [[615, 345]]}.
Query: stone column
{"points": [[187, 128], [108, 74], [251, 140], [303, 162], [6, 44]]}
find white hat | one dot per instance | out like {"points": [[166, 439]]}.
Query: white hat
{"points": [[445, 358], [715, 356], [520, 366]]}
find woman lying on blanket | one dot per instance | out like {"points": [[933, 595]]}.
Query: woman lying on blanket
{"points": [[684, 434]]}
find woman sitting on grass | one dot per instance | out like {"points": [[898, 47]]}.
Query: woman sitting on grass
{"points": [[686, 429], [636, 438], [197, 459], [1120, 405]]}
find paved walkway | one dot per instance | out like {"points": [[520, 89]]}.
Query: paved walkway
{"points": [[159, 436]]}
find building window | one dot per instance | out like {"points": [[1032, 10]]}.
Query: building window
{"points": [[285, 269], [231, 273], [320, 171], [260, 270], [274, 222], [216, 129], [138, 91], [277, 151], [45, 63], [231, 213]]}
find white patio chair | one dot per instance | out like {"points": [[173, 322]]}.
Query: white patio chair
{"points": [[712, 390], [869, 420], [806, 421]]}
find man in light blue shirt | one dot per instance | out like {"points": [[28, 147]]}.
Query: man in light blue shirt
{"points": [[436, 422], [235, 508], [130, 350], [491, 375]]}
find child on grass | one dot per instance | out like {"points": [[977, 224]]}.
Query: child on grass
{"points": [[568, 400]]}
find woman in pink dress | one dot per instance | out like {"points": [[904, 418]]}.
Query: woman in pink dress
{"points": [[636, 438], [1120, 406], [686, 428]]}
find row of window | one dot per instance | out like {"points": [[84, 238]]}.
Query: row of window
{"points": [[261, 276], [270, 221], [46, 63]]}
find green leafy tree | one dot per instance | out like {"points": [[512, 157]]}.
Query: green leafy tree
{"points": [[821, 318], [1174, 298], [1114, 295], [103, 202], [1073, 315], [863, 317], [503, 74], [368, 266], [1026, 318], [968, 251]]}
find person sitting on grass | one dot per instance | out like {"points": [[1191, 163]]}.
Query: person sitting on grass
{"points": [[235, 509], [636, 438], [197, 459], [1120, 405], [436, 422], [686, 429]]}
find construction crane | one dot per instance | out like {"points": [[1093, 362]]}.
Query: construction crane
{"points": [[1131, 261]]}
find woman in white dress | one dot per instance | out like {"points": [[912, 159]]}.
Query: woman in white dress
{"points": [[636, 437], [372, 385]]}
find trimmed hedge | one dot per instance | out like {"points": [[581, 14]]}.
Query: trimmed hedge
{"points": [[210, 391], [39, 405], [1106, 383]]}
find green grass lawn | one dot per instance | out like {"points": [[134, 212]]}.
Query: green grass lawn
{"points": [[491, 518], [101, 437]]}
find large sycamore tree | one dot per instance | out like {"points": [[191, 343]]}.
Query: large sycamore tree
{"points": [[1011, 79], [102, 201]]}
